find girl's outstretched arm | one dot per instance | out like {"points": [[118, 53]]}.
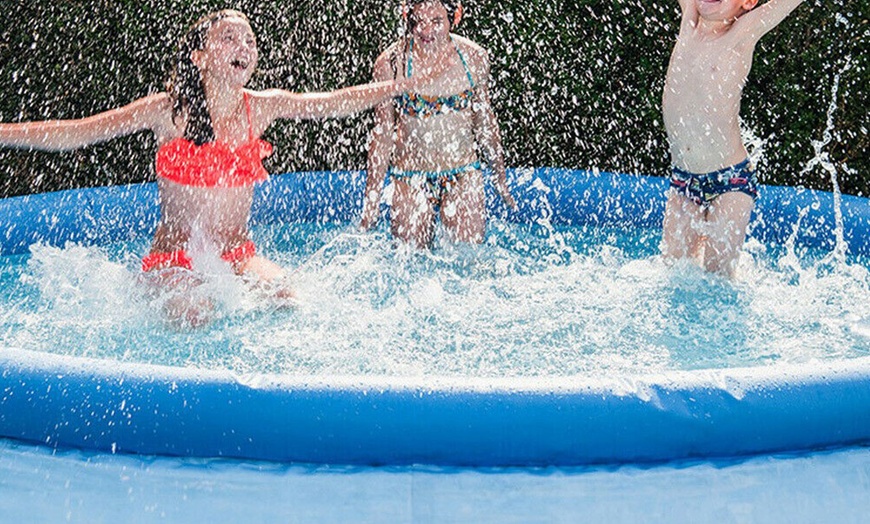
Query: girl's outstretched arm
{"points": [[278, 103], [63, 135]]}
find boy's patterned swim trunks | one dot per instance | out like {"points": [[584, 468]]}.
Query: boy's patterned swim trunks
{"points": [[703, 189]]}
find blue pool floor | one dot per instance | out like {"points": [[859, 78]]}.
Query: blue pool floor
{"points": [[41, 485]]}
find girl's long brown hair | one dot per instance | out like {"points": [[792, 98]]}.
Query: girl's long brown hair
{"points": [[185, 85]]}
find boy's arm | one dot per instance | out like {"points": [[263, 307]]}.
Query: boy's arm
{"points": [[380, 149], [762, 19], [64, 135], [689, 10]]}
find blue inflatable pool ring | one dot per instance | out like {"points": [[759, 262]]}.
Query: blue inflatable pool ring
{"points": [[136, 408]]}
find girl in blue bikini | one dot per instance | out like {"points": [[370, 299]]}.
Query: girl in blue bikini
{"points": [[427, 142]]}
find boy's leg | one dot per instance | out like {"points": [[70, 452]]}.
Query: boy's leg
{"points": [[463, 210], [681, 228], [412, 218], [727, 219]]}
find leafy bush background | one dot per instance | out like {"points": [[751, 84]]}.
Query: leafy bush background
{"points": [[576, 83]]}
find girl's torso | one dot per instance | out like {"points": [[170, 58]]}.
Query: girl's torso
{"points": [[208, 189], [218, 214], [435, 129]]}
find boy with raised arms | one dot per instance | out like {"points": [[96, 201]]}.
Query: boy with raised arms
{"points": [[713, 184]]}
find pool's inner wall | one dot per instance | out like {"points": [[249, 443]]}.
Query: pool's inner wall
{"points": [[93, 404], [565, 197]]}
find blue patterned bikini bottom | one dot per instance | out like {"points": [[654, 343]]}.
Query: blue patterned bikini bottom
{"points": [[437, 183]]}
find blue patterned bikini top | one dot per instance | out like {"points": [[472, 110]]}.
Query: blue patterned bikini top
{"points": [[424, 106]]}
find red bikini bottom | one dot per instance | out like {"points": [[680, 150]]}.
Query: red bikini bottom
{"points": [[162, 260]]}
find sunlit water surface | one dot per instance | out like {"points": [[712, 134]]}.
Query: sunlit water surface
{"points": [[531, 301]]}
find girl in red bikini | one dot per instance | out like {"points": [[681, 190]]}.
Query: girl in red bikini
{"points": [[428, 141], [209, 155]]}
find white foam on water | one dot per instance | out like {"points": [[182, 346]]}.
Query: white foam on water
{"points": [[531, 301]]}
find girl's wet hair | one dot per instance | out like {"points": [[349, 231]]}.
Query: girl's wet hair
{"points": [[185, 85], [453, 8]]}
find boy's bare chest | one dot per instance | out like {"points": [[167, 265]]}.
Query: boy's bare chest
{"points": [[705, 67]]}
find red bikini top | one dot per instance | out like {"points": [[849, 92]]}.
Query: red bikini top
{"points": [[214, 164]]}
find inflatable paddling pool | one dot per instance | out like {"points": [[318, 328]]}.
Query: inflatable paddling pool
{"points": [[107, 405]]}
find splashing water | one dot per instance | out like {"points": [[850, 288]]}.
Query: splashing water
{"points": [[821, 158], [535, 300]]}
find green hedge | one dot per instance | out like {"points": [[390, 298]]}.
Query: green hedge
{"points": [[577, 83]]}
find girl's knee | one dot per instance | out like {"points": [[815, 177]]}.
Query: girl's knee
{"points": [[413, 232], [262, 268]]}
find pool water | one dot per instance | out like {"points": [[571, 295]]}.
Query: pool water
{"points": [[534, 300]]}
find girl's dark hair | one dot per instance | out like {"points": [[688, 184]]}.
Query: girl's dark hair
{"points": [[185, 85], [452, 6]]}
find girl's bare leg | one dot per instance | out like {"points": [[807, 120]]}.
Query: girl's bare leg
{"points": [[183, 306], [261, 267], [412, 218], [268, 274], [463, 210]]}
